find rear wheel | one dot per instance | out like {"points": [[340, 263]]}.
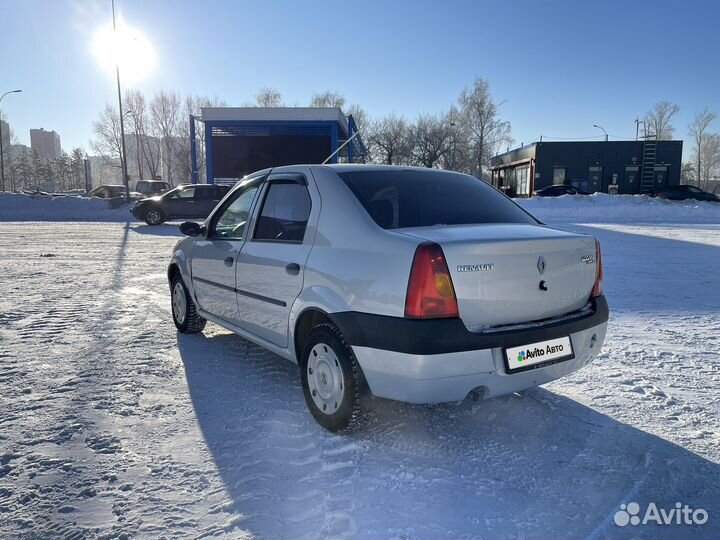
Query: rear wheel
{"points": [[185, 315], [154, 216], [331, 379]]}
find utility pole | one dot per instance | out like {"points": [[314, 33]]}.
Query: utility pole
{"points": [[123, 157]]}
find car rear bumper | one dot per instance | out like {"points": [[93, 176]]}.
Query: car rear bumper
{"points": [[424, 365], [440, 378]]}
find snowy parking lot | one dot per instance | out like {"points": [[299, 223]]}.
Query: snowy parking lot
{"points": [[114, 425]]}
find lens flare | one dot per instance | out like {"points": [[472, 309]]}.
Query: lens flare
{"points": [[128, 47]]}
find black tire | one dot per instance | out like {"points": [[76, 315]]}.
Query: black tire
{"points": [[191, 323], [154, 216], [348, 413]]}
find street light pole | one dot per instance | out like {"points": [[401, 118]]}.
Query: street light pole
{"points": [[603, 129], [123, 157], [2, 157]]}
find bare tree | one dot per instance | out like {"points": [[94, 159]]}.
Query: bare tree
{"points": [[359, 115], [192, 105], [388, 140], [698, 131], [328, 99], [459, 156], [164, 120], [687, 173], [485, 130], [657, 120], [8, 138], [107, 142], [268, 97], [146, 148], [430, 139], [710, 159]]}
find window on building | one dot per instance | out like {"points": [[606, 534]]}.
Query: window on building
{"points": [[522, 181], [559, 174]]}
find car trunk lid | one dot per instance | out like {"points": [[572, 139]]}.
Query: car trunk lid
{"points": [[514, 273]]}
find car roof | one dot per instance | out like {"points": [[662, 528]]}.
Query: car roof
{"points": [[356, 167]]}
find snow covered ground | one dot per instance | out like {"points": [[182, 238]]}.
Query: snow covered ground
{"points": [[604, 208], [115, 426]]}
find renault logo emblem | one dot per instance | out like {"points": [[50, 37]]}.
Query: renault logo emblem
{"points": [[541, 264]]}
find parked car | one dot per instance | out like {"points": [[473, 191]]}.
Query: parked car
{"points": [[685, 192], [189, 201], [418, 285], [556, 191], [151, 187], [112, 191]]}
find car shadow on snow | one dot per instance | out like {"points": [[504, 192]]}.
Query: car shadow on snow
{"points": [[166, 229], [539, 465]]}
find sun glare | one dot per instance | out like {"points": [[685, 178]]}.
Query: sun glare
{"points": [[128, 47]]}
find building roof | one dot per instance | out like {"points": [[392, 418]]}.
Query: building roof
{"points": [[526, 152], [275, 114]]}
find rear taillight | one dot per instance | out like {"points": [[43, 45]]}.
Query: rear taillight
{"points": [[430, 292], [597, 289]]}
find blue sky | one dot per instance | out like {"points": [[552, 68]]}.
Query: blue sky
{"points": [[559, 66]]}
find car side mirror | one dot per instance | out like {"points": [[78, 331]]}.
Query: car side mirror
{"points": [[190, 228]]}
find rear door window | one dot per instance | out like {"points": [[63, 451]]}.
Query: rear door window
{"points": [[423, 198], [185, 193], [209, 192], [285, 213]]}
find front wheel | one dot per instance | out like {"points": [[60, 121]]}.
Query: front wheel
{"points": [[185, 315], [331, 378], [154, 216]]}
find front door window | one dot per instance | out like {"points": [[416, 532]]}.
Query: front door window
{"points": [[231, 222]]}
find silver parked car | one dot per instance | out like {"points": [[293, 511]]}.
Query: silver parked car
{"points": [[411, 284]]}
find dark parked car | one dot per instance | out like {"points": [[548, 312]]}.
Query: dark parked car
{"points": [[151, 187], [186, 202], [685, 192], [556, 191], [112, 191]]}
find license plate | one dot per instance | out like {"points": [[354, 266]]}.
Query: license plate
{"points": [[542, 352]]}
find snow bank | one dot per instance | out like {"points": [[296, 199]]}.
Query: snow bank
{"points": [[21, 207], [597, 208], [603, 208]]}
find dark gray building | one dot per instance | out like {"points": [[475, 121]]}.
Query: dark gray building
{"points": [[45, 143], [625, 167]]}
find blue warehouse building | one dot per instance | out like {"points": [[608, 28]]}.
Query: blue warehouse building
{"points": [[241, 140]]}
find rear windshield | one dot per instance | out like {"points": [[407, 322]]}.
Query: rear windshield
{"points": [[416, 198]]}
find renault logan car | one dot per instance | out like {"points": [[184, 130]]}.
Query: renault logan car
{"points": [[416, 285]]}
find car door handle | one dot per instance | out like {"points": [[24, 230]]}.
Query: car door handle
{"points": [[293, 269], [229, 261]]}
